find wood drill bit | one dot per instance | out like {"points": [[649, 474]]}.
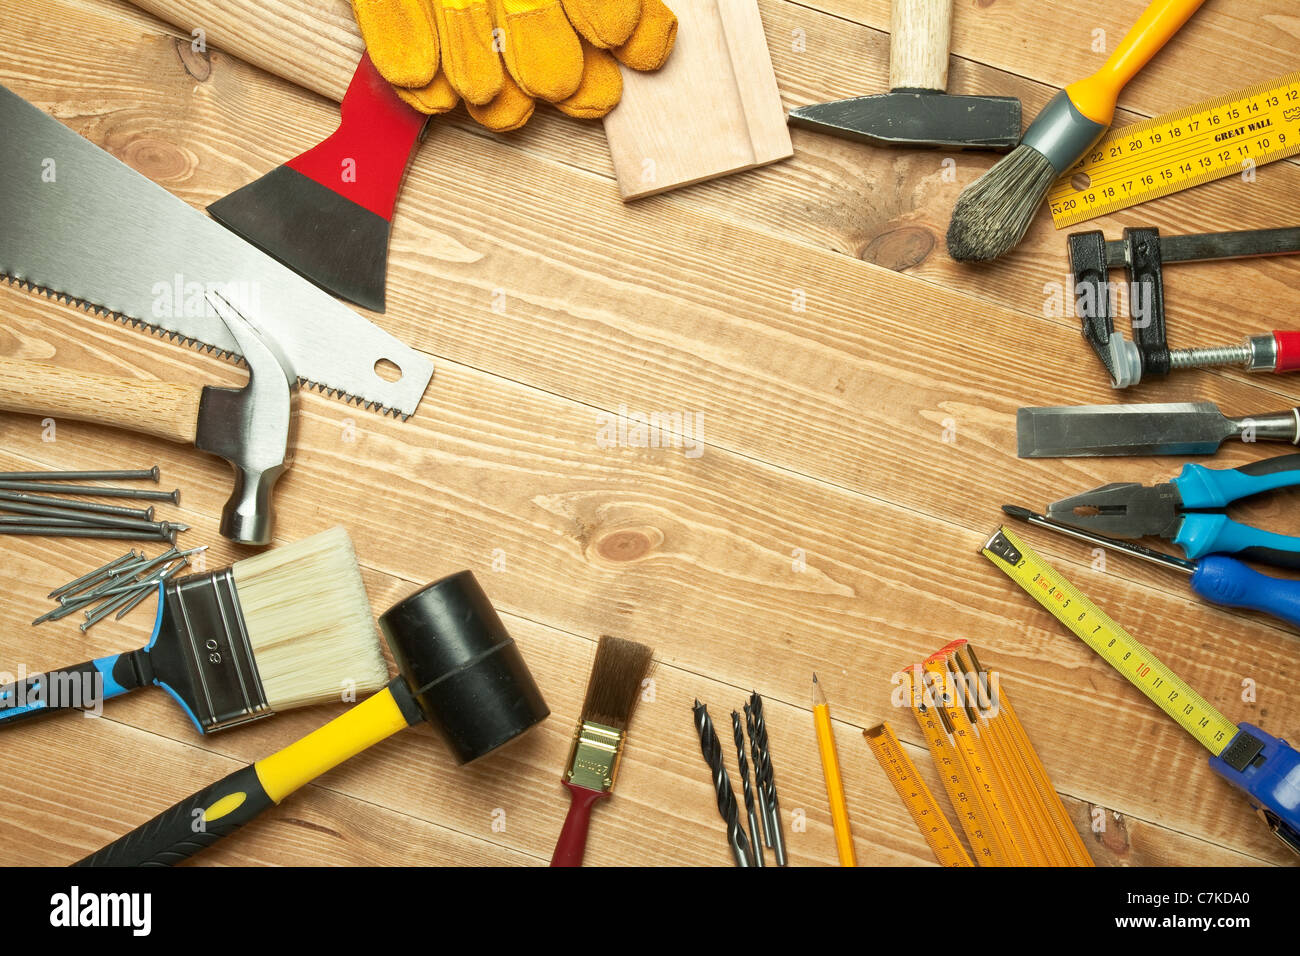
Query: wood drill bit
{"points": [[754, 834], [758, 778], [764, 775], [711, 747]]}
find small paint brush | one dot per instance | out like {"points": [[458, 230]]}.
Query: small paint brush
{"points": [[612, 694], [286, 628], [993, 213]]}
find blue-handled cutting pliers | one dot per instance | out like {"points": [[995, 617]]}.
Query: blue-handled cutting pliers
{"points": [[1188, 510]]}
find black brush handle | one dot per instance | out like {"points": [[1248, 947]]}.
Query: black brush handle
{"points": [[79, 687], [192, 825]]}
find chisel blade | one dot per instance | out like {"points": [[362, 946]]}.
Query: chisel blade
{"points": [[1084, 430]]}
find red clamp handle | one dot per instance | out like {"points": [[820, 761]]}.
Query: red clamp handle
{"points": [[1288, 351]]}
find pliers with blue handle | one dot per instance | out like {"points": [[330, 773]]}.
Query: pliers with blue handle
{"points": [[1188, 510]]}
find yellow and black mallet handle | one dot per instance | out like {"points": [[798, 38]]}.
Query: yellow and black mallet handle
{"points": [[458, 669], [219, 810]]}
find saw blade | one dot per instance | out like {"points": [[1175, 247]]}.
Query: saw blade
{"points": [[80, 226]]}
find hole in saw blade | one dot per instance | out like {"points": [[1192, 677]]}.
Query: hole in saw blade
{"points": [[388, 371]]}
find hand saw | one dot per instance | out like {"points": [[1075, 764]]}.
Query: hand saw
{"points": [[82, 226]]}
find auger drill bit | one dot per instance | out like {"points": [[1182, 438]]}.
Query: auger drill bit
{"points": [[765, 777], [756, 839], [712, 750]]}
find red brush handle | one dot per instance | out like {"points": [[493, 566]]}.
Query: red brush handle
{"points": [[365, 158], [1288, 351], [573, 838]]}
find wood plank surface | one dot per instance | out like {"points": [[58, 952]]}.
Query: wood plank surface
{"points": [[858, 394]]}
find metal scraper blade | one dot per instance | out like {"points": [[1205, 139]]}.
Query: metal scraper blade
{"points": [[1087, 430], [79, 225]]}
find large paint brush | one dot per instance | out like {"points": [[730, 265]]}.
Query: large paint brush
{"points": [[993, 213], [612, 693], [286, 628]]}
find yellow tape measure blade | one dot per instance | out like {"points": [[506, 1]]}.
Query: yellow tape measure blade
{"points": [[1225, 136], [916, 796], [1115, 645]]}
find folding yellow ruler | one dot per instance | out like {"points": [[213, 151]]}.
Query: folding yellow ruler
{"points": [[1217, 138], [916, 796]]}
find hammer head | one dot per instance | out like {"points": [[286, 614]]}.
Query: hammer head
{"points": [[918, 118], [251, 427], [462, 668]]}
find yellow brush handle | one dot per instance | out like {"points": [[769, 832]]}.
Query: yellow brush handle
{"points": [[1095, 96], [374, 719]]}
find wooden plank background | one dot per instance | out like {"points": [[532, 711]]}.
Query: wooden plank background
{"points": [[809, 312]]}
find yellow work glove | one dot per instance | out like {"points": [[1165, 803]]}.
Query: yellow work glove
{"points": [[435, 51]]}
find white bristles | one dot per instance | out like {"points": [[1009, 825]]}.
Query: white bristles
{"points": [[309, 622]]}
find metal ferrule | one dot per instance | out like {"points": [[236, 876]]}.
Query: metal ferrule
{"points": [[1263, 353], [1061, 133], [213, 651], [593, 762]]}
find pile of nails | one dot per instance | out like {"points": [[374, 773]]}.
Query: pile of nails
{"points": [[119, 586], [61, 517]]}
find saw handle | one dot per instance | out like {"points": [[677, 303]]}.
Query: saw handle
{"points": [[160, 409], [920, 31]]}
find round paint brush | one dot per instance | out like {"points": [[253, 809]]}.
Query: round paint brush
{"points": [[993, 213]]}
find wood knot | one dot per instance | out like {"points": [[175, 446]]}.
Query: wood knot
{"points": [[628, 544], [194, 57], [156, 158], [899, 249]]}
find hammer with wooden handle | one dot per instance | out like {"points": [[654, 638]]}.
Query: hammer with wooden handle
{"points": [[251, 427], [916, 111]]}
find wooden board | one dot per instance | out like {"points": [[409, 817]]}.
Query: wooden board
{"points": [[548, 303], [713, 109]]}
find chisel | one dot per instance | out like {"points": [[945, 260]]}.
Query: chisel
{"points": [[1188, 428]]}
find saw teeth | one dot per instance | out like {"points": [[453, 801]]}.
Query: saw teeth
{"points": [[180, 338]]}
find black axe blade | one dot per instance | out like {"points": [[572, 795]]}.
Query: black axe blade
{"points": [[918, 118], [326, 213]]}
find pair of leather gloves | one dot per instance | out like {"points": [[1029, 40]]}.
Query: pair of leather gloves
{"points": [[499, 56]]}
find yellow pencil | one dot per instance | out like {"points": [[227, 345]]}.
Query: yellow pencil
{"points": [[831, 770]]}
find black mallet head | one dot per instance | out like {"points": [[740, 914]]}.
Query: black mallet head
{"points": [[461, 667]]}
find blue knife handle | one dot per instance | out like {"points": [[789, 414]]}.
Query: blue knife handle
{"points": [[79, 687], [1272, 779], [1201, 487], [1227, 581], [1202, 533]]}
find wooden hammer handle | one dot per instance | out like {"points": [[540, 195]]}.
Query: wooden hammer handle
{"points": [[151, 408], [920, 31]]}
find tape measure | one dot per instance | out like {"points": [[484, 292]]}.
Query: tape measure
{"points": [[1211, 140], [916, 796], [1116, 646]]}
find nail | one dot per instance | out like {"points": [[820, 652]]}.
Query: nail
{"points": [[140, 474], [91, 576], [57, 531], [96, 491], [92, 507]]}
